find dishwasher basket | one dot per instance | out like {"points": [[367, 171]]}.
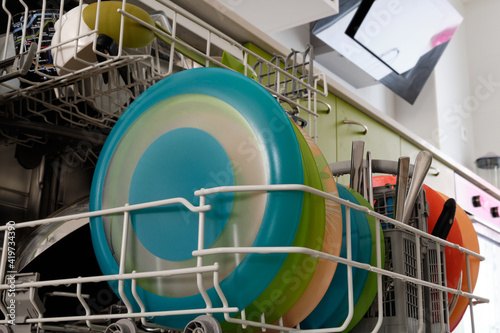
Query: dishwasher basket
{"points": [[401, 308]]}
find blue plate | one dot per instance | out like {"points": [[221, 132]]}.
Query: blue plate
{"points": [[336, 296], [199, 128]]}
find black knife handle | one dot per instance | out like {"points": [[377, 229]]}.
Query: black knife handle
{"points": [[445, 220]]}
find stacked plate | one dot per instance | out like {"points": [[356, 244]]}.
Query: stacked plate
{"points": [[211, 127]]}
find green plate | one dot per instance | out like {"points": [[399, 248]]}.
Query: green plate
{"points": [[331, 245], [337, 293], [298, 269]]}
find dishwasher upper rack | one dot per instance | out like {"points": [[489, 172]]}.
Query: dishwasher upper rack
{"points": [[26, 286], [95, 95]]}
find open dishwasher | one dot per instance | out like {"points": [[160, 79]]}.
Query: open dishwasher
{"points": [[68, 76]]}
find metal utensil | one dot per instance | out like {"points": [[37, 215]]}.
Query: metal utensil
{"points": [[445, 221], [357, 152], [401, 186], [422, 165], [369, 175]]}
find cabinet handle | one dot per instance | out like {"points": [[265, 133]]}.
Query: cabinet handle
{"points": [[319, 101], [352, 122], [433, 171], [328, 106]]}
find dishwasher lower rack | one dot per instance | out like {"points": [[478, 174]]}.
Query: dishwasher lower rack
{"points": [[23, 308]]}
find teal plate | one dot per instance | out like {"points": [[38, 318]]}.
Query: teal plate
{"points": [[200, 128], [369, 291]]}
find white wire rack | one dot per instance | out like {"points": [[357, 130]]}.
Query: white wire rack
{"points": [[89, 319]]}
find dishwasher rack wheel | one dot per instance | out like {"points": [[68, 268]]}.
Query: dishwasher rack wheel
{"points": [[203, 324], [4, 329], [122, 326]]}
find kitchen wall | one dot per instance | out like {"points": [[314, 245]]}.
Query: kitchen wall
{"points": [[458, 109], [484, 67], [486, 317], [441, 115]]}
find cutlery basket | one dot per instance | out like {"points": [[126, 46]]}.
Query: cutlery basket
{"points": [[401, 298]]}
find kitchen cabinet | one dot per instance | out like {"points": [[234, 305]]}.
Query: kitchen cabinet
{"points": [[354, 125], [262, 13], [382, 142]]}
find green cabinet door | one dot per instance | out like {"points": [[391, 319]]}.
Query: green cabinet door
{"points": [[354, 125], [379, 140]]}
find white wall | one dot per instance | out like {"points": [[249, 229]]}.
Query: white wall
{"points": [[464, 90], [421, 117], [454, 98], [483, 37]]}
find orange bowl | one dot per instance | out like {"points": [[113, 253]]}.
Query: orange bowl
{"points": [[471, 242], [454, 258]]}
